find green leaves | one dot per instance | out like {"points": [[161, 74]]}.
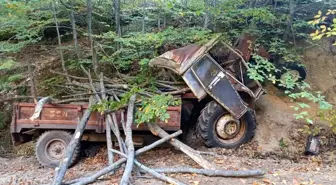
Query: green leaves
{"points": [[7, 64], [155, 108], [262, 69], [322, 30], [139, 47]]}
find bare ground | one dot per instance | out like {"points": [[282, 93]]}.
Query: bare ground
{"points": [[310, 170]]}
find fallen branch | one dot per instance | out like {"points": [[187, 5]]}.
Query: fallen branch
{"points": [[151, 171], [198, 158], [116, 165], [67, 75], [65, 163], [108, 128], [182, 91], [212, 173], [39, 107], [129, 142], [158, 175], [72, 100]]}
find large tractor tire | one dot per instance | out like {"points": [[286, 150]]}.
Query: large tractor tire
{"points": [[218, 128], [292, 69], [51, 146]]}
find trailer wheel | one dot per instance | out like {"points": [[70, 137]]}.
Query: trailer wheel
{"points": [[218, 128], [51, 146]]}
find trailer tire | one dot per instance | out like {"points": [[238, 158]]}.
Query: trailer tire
{"points": [[214, 118], [50, 148]]}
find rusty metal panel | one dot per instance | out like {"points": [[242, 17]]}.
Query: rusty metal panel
{"points": [[56, 116], [214, 80], [53, 116], [246, 45], [180, 60], [194, 85]]}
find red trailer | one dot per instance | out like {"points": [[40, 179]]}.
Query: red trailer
{"points": [[57, 122]]}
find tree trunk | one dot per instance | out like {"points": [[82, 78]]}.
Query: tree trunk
{"points": [[117, 19], [59, 40], [74, 30], [32, 80], [292, 6], [89, 21], [207, 14]]}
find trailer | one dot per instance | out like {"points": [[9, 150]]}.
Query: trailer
{"points": [[57, 122]]}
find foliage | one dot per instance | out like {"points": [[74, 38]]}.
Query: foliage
{"points": [[4, 119], [114, 104], [155, 108], [261, 70], [149, 110], [139, 46], [21, 24], [300, 92], [330, 117], [10, 73], [324, 29]]}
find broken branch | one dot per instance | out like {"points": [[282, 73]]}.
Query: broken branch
{"points": [[129, 143], [39, 107], [198, 158], [116, 165], [212, 173]]}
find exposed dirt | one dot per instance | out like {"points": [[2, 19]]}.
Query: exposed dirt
{"points": [[321, 68]]}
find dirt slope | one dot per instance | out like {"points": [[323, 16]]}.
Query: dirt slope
{"points": [[321, 68]]}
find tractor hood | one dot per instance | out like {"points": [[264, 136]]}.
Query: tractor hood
{"points": [[181, 59]]}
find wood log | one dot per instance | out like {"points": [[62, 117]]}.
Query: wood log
{"points": [[39, 107], [198, 158], [182, 91], [108, 128], [117, 164], [129, 143], [65, 163], [158, 175], [151, 171], [212, 173]]}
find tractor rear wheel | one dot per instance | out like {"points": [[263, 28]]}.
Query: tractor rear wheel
{"points": [[218, 128], [51, 147]]}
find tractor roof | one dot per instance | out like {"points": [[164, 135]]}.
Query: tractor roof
{"points": [[179, 60]]}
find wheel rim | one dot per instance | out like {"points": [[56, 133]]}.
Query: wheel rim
{"points": [[229, 129], [54, 149], [294, 74]]}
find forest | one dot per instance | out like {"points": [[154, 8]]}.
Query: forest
{"points": [[101, 52]]}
